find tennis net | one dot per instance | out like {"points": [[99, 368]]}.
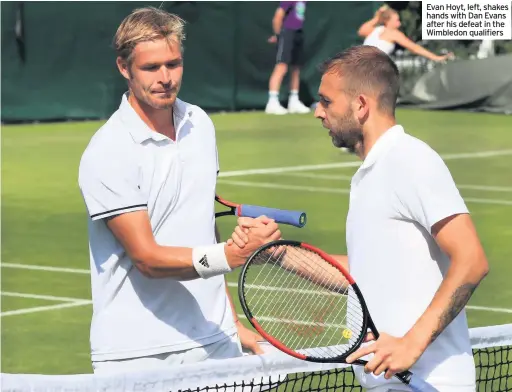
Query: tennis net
{"points": [[273, 371]]}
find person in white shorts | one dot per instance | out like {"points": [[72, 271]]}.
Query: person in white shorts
{"points": [[148, 178], [382, 31], [412, 246]]}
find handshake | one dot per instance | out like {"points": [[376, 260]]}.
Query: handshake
{"points": [[249, 235]]}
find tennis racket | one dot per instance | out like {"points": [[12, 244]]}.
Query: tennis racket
{"points": [[303, 302], [294, 218]]}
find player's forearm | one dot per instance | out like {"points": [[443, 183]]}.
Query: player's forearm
{"points": [[343, 260], [277, 24], [421, 51], [183, 264], [463, 277], [367, 27], [326, 276], [166, 262]]}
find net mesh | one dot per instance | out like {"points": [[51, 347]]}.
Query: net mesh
{"points": [[273, 371]]}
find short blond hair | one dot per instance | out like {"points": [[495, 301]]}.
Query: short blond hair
{"points": [[147, 24]]}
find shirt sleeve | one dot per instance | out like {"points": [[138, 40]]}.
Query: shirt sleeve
{"points": [[428, 193], [285, 5], [110, 189]]}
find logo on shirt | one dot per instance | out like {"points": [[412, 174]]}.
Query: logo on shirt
{"points": [[204, 262], [300, 10]]}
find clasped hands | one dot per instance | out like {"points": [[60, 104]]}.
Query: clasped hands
{"points": [[249, 235]]}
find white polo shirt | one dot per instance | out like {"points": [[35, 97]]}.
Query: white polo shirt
{"points": [[128, 167], [400, 191]]}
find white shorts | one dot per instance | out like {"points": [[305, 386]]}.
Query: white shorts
{"points": [[228, 347]]}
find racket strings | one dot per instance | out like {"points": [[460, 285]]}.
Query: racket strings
{"points": [[262, 259], [318, 321], [296, 289], [333, 286], [303, 301], [271, 285]]}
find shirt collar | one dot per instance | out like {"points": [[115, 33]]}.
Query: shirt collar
{"points": [[139, 130], [382, 145]]}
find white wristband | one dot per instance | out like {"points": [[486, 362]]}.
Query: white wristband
{"points": [[210, 260]]}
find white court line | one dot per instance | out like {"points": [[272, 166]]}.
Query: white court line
{"points": [[497, 310], [336, 190], [338, 177], [45, 308], [283, 186], [37, 296], [317, 176], [69, 302], [486, 188], [45, 268], [286, 169], [488, 201], [479, 154]]}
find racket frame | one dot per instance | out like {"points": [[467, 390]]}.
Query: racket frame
{"points": [[233, 207], [367, 323]]}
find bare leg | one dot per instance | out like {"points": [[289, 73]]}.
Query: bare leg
{"points": [[295, 79], [277, 76]]}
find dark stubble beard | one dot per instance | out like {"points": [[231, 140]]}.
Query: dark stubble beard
{"points": [[347, 133]]}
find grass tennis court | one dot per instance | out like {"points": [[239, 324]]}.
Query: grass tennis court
{"points": [[45, 313]]}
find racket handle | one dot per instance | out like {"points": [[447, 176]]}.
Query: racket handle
{"points": [[294, 218]]}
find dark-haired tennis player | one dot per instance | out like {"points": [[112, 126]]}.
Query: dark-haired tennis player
{"points": [[412, 246]]}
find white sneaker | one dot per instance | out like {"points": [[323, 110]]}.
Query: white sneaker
{"points": [[274, 107], [297, 106]]}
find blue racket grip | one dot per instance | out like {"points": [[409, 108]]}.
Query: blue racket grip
{"points": [[294, 218]]}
